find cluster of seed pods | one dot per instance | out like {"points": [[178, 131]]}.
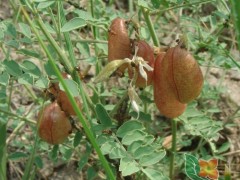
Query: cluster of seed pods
{"points": [[177, 80], [177, 77], [54, 119]]}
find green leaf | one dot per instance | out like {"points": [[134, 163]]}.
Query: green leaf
{"points": [[12, 68], [146, 117], [25, 79], [91, 173], [83, 49], [143, 151], [50, 28], [152, 158], [91, 60], [134, 146], [224, 147], [17, 155], [72, 87], [107, 147], [143, 3], [4, 78], [156, 3], [77, 138], [38, 161], [83, 161], [133, 136], [153, 174], [25, 29], [67, 154], [103, 116], [12, 43], [31, 68], [129, 126], [128, 166], [74, 23], [54, 153], [49, 70], [107, 71], [192, 167], [43, 82], [44, 5], [117, 153], [30, 53], [25, 40], [84, 14], [103, 138], [11, 30], [192, 111]]}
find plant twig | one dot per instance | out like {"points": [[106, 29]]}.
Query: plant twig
{"points": [[173, 149], [150, 26], [179, 6]]}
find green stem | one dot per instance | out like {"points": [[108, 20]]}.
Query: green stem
{"points": [[62, 55], [130, 5], [150, 26], [79, 114], [91, 41], [57, 26], [95, 34], [173, 149], [17, 116], [179, 6], [74, 62]]}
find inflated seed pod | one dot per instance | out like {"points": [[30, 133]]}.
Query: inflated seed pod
{"points": [[184, 74], [146, 52], [62, 98], [54, 125], [119, 44], [66, 105], [164, 94]]}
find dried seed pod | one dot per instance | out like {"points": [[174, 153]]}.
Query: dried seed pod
{"points": [[62, 98], [54, 125], [184, 74], [164, 94], [66, 105], [146, 52], [119, 44]]}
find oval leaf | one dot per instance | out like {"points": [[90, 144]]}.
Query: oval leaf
{"points": [[73, 24], [128, 127]]}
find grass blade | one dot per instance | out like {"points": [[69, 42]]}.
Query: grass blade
{"points": [[236, 16]]}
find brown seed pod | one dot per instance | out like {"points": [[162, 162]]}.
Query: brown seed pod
{"points": [[62, 98], [54, 125], [66, 105], [146, 52], [184, 74], [119, 44], [164, 94]]}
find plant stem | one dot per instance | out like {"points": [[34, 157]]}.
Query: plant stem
{"points": [[173, 149], [179, 6], [17, 116], [3, 151], [79, 114], [74, 62], [130, 5], [150, 26]]}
